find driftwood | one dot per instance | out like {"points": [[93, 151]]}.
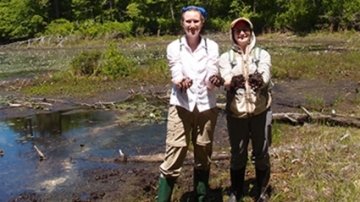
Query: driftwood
{"points": [[41, 155], [308, 117], [299, 119], [160, 157], [153, 158]]}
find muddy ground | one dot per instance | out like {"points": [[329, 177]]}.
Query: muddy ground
{"points": [[139, 183]]}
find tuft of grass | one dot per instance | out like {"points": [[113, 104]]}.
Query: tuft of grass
{"points": [[315, 103]]}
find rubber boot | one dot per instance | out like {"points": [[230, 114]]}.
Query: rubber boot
{"points": [[165, 189], [262, 182], [237, 184], [201, 183]]}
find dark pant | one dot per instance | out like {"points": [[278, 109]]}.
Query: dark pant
{"points": [[257, 129]]}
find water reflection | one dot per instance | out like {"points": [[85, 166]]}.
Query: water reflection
{"points": [[70, 141]]}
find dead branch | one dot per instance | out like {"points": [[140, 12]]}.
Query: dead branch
{"points": [[306, 111], [41, 155]]}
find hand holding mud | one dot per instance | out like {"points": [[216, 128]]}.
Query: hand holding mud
{"points": [[217, 80], [185, 84], [237, 82], [255, 81]]}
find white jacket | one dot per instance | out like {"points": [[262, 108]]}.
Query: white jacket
{"points": [[199, 66], [232, 63]]}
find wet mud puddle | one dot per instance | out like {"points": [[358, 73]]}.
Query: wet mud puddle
{"points": [[70, 142]]}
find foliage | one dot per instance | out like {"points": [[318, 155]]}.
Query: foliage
{"points": [[86, 63], [111, 63], [90, 19], [218, 24], [297, 15], [117, 29], [154, 71], [92, 29], [23, 20], [116, 64], [60, 27]]}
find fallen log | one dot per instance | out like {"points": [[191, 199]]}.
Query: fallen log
{"points": [[333, 120], [307, 117], [160, 157], [152, 158]]}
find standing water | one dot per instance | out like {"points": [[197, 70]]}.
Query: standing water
{"points": [[71, 142]]}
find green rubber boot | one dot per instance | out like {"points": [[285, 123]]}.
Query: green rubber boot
{"points": [[201, 184], [165, 189]]}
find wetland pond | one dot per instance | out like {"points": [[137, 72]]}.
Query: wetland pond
{"points": [[72, 142]]}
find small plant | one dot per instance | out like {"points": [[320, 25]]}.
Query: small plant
{"points": [[85, 64], [115, 64], [316, 103]]}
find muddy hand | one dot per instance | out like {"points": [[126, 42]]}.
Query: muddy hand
{"points": [[256, 81], [216, 80], [184, 84], [237, 82]]}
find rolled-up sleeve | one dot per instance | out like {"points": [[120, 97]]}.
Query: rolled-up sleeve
{"points": [[212, 68], [174, 61], [225, 67]]}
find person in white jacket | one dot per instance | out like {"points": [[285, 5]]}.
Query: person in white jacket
{"points": [[246, 70], [192, 113]]}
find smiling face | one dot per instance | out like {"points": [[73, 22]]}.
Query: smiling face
{"points": [[241, 33], [192, 23]]}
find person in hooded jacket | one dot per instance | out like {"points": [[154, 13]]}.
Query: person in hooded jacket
{"points": [[246, 71], [192, 113]]}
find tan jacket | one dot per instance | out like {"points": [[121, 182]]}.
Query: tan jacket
{"points": [[246, 101]]}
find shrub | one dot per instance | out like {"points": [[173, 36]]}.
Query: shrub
{"points": [[117, 29], [115, 64], [60, 27], [86, 63], [89, 29], [218, 24]]}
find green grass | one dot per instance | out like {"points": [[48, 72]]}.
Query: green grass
{"points": [[316, 163], [325, 56], [65, 85]]}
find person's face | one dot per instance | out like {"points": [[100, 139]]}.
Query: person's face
{"points": [[242, 33], [192, 23]]}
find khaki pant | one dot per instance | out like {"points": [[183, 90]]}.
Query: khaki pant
{"points": [[182, 127]]}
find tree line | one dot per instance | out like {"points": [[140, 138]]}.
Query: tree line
{"points": [[23, 19]]}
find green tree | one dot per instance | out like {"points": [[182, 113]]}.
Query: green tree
{"points": [[299, 16], [22, 18], [86, 9], [340, 14]]}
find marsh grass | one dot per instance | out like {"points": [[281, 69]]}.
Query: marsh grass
{"points": [[15, 62], [326, 65], [316, 163], [315, 103], [64, 84], [325, 56]]}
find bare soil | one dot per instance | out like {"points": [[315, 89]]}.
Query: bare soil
{"points": [[140, 183]]}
